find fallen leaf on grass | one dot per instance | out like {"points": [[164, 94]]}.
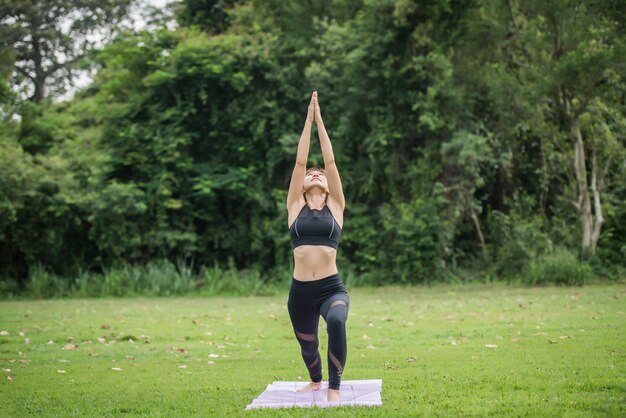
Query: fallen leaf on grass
{"points": [[130, 357], [20, 354], [24, 361], [61, 371], [552, 341], [7, 370], [117, 369], [182, 367], [71, 339], [105, 326], [128, 338], [4, 333], [491, 346], [50, 342], [366, 337], [565, 337], [371, 347], [210, 362], [411, 359], [9, 378], [102, 340], [27, 341], [63, 361], [214, 355], [69, 347]]}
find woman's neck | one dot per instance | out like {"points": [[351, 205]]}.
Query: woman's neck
{"points": [[315, 200]]}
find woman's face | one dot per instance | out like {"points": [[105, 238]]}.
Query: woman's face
{"points": [[315, 179]]}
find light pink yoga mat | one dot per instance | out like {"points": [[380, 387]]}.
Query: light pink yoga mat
{"points": [[353, 392]]}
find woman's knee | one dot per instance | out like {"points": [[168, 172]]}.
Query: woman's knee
{"points": [[337, 316]]}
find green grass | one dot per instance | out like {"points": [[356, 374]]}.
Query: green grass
{"points": [[560, 352]]}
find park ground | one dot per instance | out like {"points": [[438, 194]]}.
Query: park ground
{"points": [[479, 350]]}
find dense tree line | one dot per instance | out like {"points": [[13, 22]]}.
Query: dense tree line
{"points": [[473, 138]]}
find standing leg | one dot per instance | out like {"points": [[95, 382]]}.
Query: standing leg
{"points": [[305, 320], [335, 313]]}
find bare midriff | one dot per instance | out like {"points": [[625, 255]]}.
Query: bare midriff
{"points": [[314, 262]]}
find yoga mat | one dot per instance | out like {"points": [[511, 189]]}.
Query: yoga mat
{"points": [[353, 392]]}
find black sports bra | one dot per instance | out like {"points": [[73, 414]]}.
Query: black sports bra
{"points": [[315, 227]]}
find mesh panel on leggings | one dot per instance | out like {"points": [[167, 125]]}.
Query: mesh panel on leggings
{"points": [[305, 337], [337, 302], [336, 363]]}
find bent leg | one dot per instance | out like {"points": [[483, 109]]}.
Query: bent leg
{"points": [[305, 320], [335, 313]]}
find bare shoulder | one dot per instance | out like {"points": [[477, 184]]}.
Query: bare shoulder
{"points": [[294, 210], [336, 210]]}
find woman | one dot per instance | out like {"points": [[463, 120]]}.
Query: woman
{"points": [[315, 204]]}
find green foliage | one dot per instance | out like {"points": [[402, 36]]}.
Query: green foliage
{"points": [[49, 38], [560, 267], [516, 241], [44, 284], [448, 124], [155, 278]]}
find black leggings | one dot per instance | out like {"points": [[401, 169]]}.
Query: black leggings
{"points": [[307, 301]]}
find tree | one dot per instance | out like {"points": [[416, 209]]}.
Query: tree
{"points": [[47, 38], [558, 61]]}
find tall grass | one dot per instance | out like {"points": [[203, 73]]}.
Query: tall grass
{"points": [[164, 278], [560, 267], [156, 278]]}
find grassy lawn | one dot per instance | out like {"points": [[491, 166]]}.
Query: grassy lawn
{"points": [[445, 350]]}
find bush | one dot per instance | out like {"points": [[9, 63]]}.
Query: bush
{"points": [[8, 288], [515, 241], [560, 267], [43, 284]]}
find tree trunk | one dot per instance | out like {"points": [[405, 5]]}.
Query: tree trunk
{"points": [[596, 189], [584, 201], [40, 76], [479, 231], [40, 89]]}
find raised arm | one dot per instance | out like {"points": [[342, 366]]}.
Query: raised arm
{"points": [[297, 176], [332, 173]]}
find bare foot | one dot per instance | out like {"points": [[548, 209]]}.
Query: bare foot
{"points": [[333, 395], [311, 386]]}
